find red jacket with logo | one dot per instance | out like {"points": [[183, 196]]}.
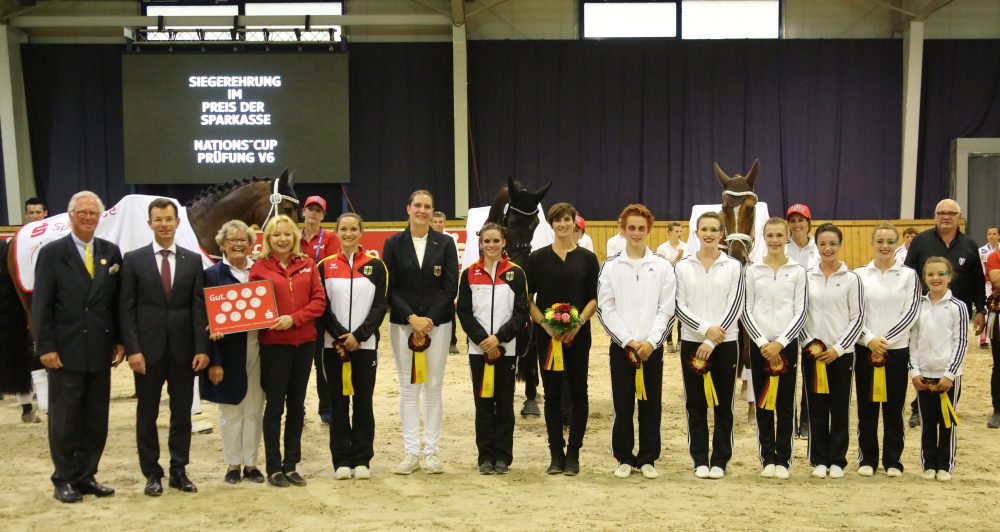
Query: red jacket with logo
{"points": [[298, 293]]}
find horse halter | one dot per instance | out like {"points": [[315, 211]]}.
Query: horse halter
{"points": [[276, 198], [523, 246], [743, 238]]}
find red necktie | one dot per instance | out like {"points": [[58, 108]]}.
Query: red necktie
{"points": [[165, 272]]}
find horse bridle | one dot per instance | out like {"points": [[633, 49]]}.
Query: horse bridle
{"points": [[523, 246], [743, 238], [276, 198]]}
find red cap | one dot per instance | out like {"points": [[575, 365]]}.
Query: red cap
{"points": [[581, 223], [317, 200], [799, 208]]}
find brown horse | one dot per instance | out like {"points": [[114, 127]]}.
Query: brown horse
{"points": [[739, 204]]}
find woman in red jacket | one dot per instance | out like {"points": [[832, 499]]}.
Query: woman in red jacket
{"points": [[286, 349]]}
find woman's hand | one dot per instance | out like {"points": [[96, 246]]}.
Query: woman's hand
{"points": [[644, 350], [945, 384], [550, 332], [492, 355], [490, 343], [350, 342], [829, 356], [421, 324], [878, 346], [716, 334], [704, 351], [918, 383], [569, 335], [215, 337], [770, 350], [283, 323], [215, 374]]}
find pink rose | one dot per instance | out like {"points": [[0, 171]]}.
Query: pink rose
{"points": [[565, 318]]}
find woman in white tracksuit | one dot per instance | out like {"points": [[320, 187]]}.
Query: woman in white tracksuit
{"points": [[635, 302], [776, 304], [835, 317], [710, 295]]}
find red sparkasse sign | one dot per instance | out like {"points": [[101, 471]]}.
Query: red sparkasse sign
{"points": [[241, 307]]}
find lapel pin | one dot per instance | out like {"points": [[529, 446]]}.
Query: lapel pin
{"points": [[104, 262]]}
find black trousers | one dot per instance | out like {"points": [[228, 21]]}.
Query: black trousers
{"points": [[322, 389], [775, 440], [78, 422], [828, 413], [179, 377], [494, 415], [352, 441], [724, 359], [893, 434], [937, 443], [650, 410], [576, 363], [995, 377], [284, 376]]}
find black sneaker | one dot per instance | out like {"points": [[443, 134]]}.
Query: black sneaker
{"points": [[914, 420], [295, 479], [501, 468], [485, 468], [278, 480], [994, 422]]}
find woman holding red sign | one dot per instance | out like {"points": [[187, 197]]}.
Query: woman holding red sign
{"points": [[286, 349], [563, 273], [493, 307], [835, 318], [775, 313], [635, 301], [710, 296]]}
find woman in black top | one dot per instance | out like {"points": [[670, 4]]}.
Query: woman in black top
{"points": [[564, 273]]}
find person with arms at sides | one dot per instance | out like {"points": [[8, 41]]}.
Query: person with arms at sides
{"points": [[493, 307], [163, 321], [563, 272], [318, 244], [438, 221], [74, 311], [892, 301], [356, 285], [946, 240], [614, 245], [802, 249], [908, 234], [635, 302], [287, 347], [233, 380], [775, 313], [673, 251], [423, 283], [835, 316], [992, 239], [710, 299], [580, 234], [937, 348]]}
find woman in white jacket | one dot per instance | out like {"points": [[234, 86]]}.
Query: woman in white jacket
{"points": [[635, 302], [892, 301], [835, 317], [710, 295], [776, 304]]}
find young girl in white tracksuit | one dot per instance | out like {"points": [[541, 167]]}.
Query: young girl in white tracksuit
{"points": [[493, 308], [835, 317], [937, 348], [776, 304], [710, 295], [635, 302]]}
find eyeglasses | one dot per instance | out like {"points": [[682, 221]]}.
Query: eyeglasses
{"points": [[951, 214], [86, 214], [235, 241]]}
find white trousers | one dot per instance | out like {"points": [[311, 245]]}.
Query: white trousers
{"points": [[409, 394], [41, 381], [241, 425]]}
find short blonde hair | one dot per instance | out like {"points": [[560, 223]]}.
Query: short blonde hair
{"points": [[233, 226], [272, 226]]}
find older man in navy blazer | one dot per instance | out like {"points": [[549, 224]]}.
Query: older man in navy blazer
{"points": [[163, 320], [77, 339]]}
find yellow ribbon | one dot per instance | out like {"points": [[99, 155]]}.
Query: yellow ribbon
{"points": [[554, 362], [822, 382], [640, 384], [770, 398], [711, 397], [345, 378], [948, 411], [486, 391], [879, 393], [419, 374]]}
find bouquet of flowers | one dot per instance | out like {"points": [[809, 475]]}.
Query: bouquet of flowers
{"points": [[560, 318]]}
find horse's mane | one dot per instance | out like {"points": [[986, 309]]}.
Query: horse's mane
{"points": [[221, 189]]}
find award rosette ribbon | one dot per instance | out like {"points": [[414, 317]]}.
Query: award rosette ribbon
{"points": [[346, 382], [815, 348], [486, 389], [418, 371], [947, 408], [769, 398], [703, 368], [561, 318], [879, 390], [640, 375]]}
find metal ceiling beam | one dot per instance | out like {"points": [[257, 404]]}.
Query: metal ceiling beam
{"points": [[926, 12], [30, 22]]}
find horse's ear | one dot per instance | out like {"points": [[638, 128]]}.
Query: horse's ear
{"points": [[752, 174], [289, 177], [723, 178], [511, 186], [540, 193]]}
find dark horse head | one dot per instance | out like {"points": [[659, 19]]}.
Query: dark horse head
{"points": [[515, 207], [739, 203]]}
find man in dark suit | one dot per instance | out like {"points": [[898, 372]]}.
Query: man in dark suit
{"points": [[77, 339], [163, 321]]}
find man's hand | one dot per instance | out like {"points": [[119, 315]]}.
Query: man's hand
{"points": [[979, 322], [51, 360], [138, 363], [119, 355], [215, 374], [199, 362]]}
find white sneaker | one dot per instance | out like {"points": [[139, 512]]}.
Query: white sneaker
{"points": [[943, 476], [836, 471], [716, 472], [929, 474], [865, 471], [649, 471], [819, 471], [432, 465], [342, 473], [409, 464], [768, 471], [893, 472], [623, 471], [781, 472], [701, 471], [362, 473]]}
